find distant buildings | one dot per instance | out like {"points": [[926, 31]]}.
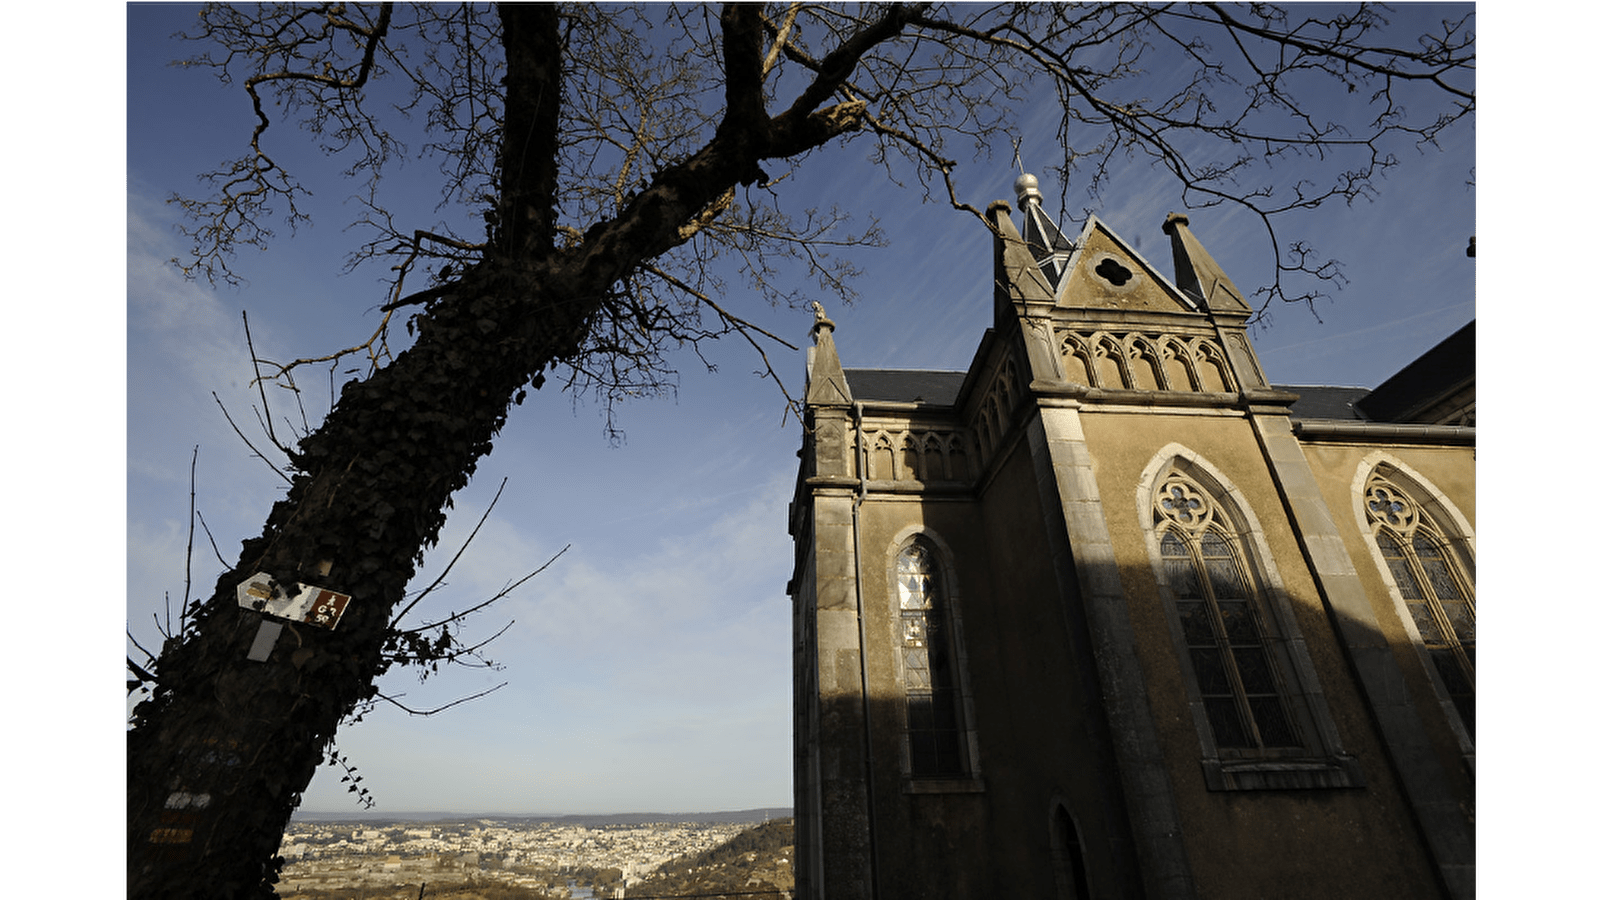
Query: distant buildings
{"points": [[324, 856], [1110, 615]]}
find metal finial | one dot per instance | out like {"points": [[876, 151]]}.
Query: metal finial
{"points": [[1027, 188]]}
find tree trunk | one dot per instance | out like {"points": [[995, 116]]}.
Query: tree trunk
{"points": [[218, 756]]}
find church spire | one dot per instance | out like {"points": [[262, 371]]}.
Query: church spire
{"points": [[825, 384], [1051, 249], [1197, 273]]}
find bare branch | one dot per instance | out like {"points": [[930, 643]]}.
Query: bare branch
{"points": [[835, 68], [779, 39], [188, 550], [141, 674], [297, 59], [439, 709], [395, 619], [259, 455], [744, 329], [150, 657], [945, 166], [255, 361], [1434, 63], [214, 549], [502, 593], [375, 348], [430, 294]]}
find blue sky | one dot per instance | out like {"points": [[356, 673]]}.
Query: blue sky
{"points": [[648, 668]]}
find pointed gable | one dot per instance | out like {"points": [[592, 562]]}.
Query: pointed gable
{"points": [[1107, 273]]}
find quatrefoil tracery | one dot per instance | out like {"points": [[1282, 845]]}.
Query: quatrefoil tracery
{"points": [[1386, 505], [1184, 504]]}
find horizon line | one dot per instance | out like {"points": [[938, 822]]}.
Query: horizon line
{"points": [[546, 815]]}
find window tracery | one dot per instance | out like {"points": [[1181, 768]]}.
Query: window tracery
{"points": [[1225, 637], [1434, 585], [932, 710], [1258, 708]]}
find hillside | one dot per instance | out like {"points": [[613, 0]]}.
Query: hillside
{"points": [[590, 820], [759, 859]]}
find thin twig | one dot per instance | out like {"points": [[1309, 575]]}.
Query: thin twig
{"points": [[457, 656], [440, 709], [427, 295], [255, 363], [454, 559], [740, 325], [207, 529], [188, 550], [141, 673], [299, 400], [473, 650], [148, 655], [246, 440], [503, 592]]}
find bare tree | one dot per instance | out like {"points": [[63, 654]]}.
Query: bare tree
{"points": [[595, 161]]}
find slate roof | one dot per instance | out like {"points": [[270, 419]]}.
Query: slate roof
{"points": [[940, 388], [905, 385], [1447, 367], [1324, 402]]}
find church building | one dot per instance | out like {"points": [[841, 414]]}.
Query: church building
{"points": [[1110, 615]]}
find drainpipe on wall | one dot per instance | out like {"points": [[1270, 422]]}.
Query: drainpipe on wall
{"points": [[861, 639]]}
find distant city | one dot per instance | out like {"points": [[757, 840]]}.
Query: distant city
{"points": [[759, 814], [536, 856]]}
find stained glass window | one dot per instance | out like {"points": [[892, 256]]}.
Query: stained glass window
{"points": [[933, 729], [1435, 587], [1226, 639]]}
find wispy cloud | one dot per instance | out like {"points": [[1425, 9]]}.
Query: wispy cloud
{"points": [[184, 342], [658, 673]]}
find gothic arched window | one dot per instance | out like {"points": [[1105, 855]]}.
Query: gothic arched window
{"points": [[1434, 585], [934, 734], [1227, 640], [1259, 711]]}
